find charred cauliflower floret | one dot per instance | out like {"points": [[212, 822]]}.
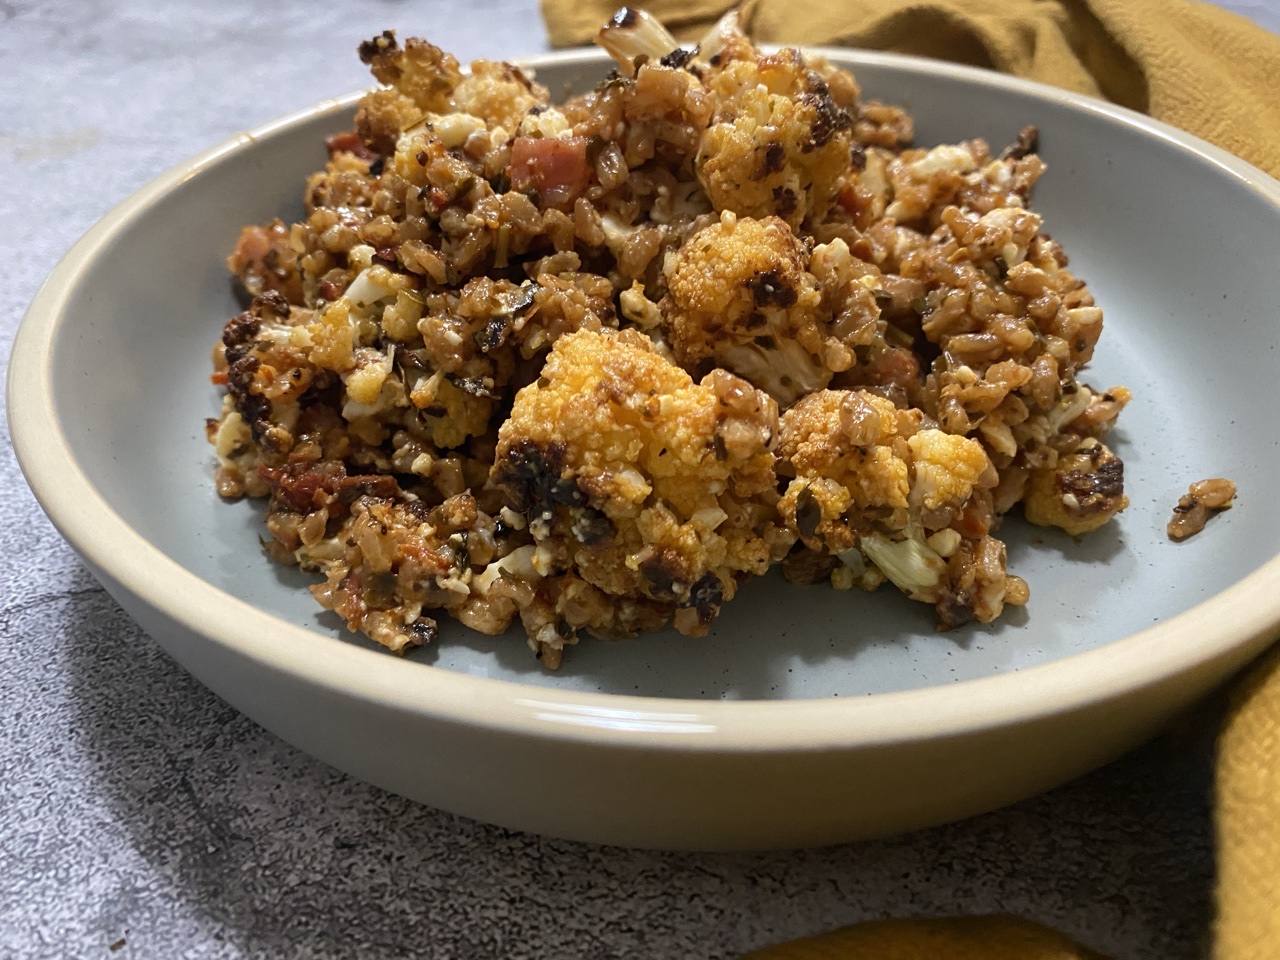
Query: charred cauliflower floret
{"points": [[778, 143], [419, 70], [418, 78], [840, 448], [893, 501], [739, 297], [1080, 493], [642, 483], [422, 77]]}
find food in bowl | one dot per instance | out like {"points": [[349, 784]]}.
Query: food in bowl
{"points": [[1193, 509], [595, 364]]}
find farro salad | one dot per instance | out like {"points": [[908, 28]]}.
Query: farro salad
{"points": [[592, 365]]}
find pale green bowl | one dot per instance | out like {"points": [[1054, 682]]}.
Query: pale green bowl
{"points": [[809, 716]]}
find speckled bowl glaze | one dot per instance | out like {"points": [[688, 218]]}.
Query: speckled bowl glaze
{"points": [[809, 716]]}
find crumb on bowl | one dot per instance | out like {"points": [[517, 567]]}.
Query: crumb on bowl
{"points": [[1202, 499]]}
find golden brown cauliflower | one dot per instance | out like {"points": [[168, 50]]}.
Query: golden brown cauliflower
{"points": [[778, 143], [739, 296], [893, 501], [419, 70], [423, 77], [647, 486], [498, 93], [840, 448], [419, 78], [1080, 493]]}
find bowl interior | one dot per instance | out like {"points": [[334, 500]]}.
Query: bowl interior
{"points": [[1173, 245]]}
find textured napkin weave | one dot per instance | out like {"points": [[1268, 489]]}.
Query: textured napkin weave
{"points": [[1194, 66], [1247, 819]]}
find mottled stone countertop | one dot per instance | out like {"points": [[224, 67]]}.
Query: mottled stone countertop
{"points": [[142, 817]]}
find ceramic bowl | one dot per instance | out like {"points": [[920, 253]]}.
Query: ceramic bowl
{"points": [[808, 716]]}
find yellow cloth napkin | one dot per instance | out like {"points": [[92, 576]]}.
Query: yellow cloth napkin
{"points": [[1247, 819], [1195, 66], [1189, 64]]}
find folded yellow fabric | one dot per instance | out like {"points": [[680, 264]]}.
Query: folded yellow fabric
{"points": [[1189, 64], [1247, 819]]}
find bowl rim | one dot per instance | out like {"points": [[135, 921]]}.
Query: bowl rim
{"points": [[1240, 618]]}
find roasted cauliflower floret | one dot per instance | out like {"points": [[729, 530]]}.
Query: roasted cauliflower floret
{"points": [[642, 483], [893, 501], [498, 93], [1080, 493], [778, 143], [947, 470], [848, 453], [739, 297], [849, 456], [425, 83], [419, 70], [419, 78]]}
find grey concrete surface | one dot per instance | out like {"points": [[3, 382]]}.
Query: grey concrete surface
{"points": [[140, 817]]}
